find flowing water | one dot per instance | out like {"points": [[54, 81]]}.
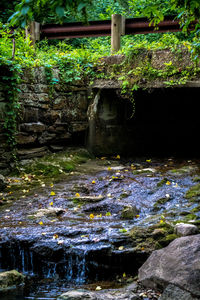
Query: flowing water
{"points": [[79, 235]]}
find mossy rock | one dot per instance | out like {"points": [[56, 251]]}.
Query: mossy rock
{"points": [[10, 279], [145, 238], [193, 192]]}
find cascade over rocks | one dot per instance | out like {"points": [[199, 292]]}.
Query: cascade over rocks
{"points": [[178, 264]]}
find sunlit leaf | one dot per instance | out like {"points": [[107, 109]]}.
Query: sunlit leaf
{"points": [[52, 193], [91, 216]]}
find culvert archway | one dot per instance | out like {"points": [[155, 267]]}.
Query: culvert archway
{"points": [[166, 122]]}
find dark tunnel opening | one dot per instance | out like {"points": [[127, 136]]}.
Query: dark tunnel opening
{"points": [[166, 122]]}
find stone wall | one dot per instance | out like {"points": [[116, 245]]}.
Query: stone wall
{"points": [[49, 121]]}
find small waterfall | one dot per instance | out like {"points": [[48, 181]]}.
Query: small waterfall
{"points": [[76, 269], [91, 113]]}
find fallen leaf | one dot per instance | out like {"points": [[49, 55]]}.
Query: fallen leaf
{"points": [[168, 183], [108, 214], [93, 181], [52, 193], [77, 195], [118, 156], [55, 236], [98, 288], [51, 203], [148, 160], [121, 248], [137, 216], [91, 216], [44, 233], [60, 242], [109, 168], [103, 158], [51, 185], [41, 223], [124, 275]]}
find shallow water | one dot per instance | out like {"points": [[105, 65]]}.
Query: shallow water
{"points": [[80, 242]]}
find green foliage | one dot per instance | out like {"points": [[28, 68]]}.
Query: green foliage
{"points": [[10, 78]]}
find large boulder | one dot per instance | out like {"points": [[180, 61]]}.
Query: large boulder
{"points": [[175, 293], [178, 264], [10, 279]]}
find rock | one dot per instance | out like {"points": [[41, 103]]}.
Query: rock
{"points": [[175, 293], [2, 183], [185, 229], [176, 264], [10, 279], [100, 295], [47, 212], [32, 127], [88, 198], [79, 294], [24, 138], [129, 212], [33, 152]]}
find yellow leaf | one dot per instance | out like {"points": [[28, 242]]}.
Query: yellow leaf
{"points": [[41, 223], [108, 214], [124, 275], [51, 185], [77, 195], [168, 183], [55, 236], [16, 180], [53, 193], [91, 216], [161, 221], [93, 181], [142, 248], [109, 168], [8, 186], [137, 216], [121, 248], [148, 160], [103, 158], [51, 203], [118, 156]]}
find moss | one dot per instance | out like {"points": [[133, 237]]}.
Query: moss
{"points": [[153, 237], [162, 182], [196, 179], [124, 195], [190, 217], [159, 202], [196, 209], [193, 192]]}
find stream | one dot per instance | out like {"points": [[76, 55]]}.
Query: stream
{"points": [[74, 232]]}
